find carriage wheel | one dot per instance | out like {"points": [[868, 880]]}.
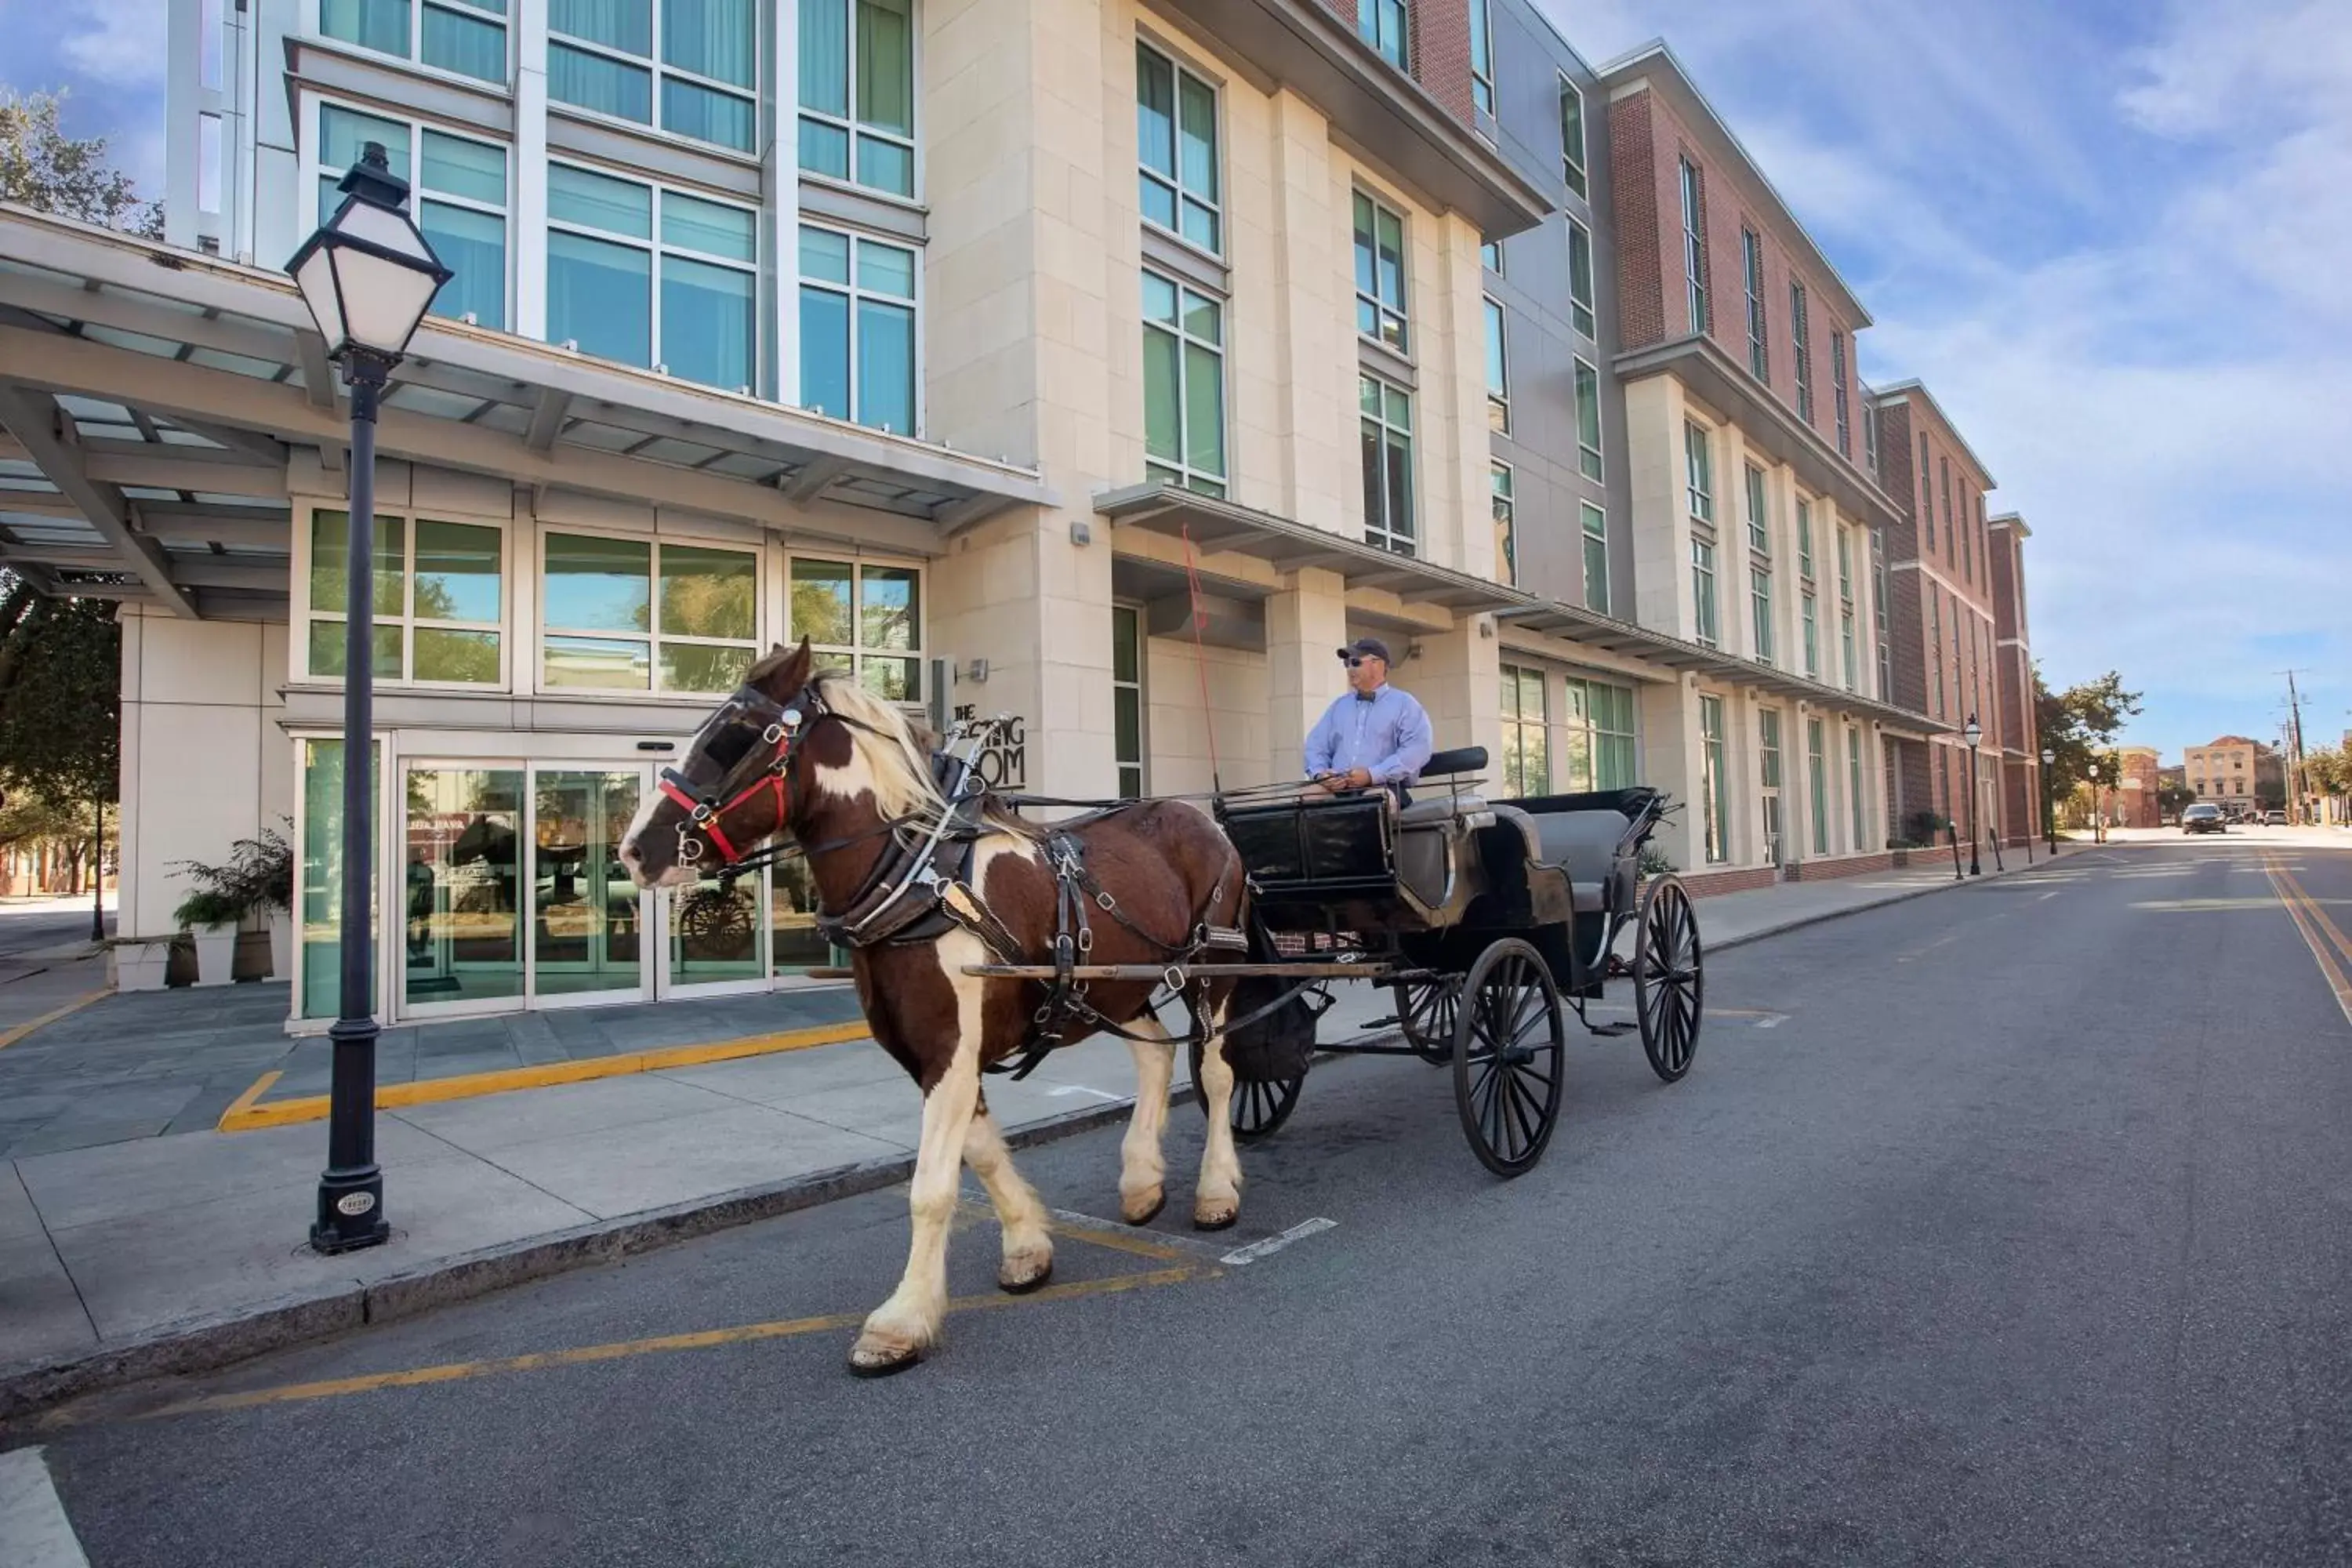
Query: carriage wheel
{"points": [[1669, 978], [1509, 1057], [1427, 1013], [1258, 1108]]}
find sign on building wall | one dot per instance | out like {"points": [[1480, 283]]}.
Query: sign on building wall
{"points": [[1002, 761]]}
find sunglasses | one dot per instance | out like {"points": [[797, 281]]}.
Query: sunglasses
{"points": [[1360, 660]]}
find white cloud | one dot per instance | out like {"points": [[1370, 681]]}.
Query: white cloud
{"points": [[116, 43]]}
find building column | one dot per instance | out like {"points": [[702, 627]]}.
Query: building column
{"points": [[1672, 759], [1305, 624], [1458, 678]]}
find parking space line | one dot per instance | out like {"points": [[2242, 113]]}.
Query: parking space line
{"points": [[10, 1036], [34, 1530]]}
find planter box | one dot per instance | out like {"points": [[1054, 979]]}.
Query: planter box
{"points": [[141, 965], [1898, 856], [215, 954], [252, 956], [281, 945]]}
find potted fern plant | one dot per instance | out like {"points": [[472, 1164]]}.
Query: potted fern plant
{"points": [[253, 890]]}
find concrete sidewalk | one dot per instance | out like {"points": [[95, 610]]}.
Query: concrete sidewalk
{"points": [[159, 1249]]}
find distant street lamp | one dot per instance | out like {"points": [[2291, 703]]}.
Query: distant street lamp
{"points": [[2048, 816], [2099, 822], [1972, 732], [367, 277]]}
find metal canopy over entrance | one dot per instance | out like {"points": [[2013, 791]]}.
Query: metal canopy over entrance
{"points": [[150, 398]]}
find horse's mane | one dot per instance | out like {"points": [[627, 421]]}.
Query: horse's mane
{"points": [[896, 753]]}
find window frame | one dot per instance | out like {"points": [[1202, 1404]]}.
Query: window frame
{"points": [[1370, 19], [1179, 194], [1805, 537], [1800, 346], [1694, 204], [1853, 786], [1382, 311], [1808, 617], [1706, 624], [1575, 150], [1181, 472], [1770, 781], [856, 292], [1817, 781], [1384, 535], [1698, 472], [1760, 348], [857, 652], [312, 172], [1595, 537], [1141, 766], [656, 248], [1759, 526], [1759, 608], [1516, 725], [1838, 394], [1501, 483], [1590, 412], [1482, 59], [304, 609], [1927, 488], [316, 17], [1714, 784], [1498, 367], [1583, 307], [653, 636], [657, 71], [851, 125]]}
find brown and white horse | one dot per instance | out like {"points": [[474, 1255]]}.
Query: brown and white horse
{"points": [[834, 769]]}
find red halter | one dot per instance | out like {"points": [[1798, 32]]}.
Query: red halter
{"points": [[711, 819]]}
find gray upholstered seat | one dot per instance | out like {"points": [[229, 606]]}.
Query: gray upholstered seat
{"points": [[1431, 810], [1584, 845]]}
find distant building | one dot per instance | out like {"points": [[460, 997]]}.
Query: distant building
{"points": [[2236, 774], [2135, 802]]}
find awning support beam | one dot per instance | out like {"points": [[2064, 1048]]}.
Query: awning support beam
{"points": [[32, 417]]}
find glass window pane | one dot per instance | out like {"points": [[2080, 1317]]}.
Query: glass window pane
{"points": [[599, 201], [825, 351], [1159, 299], [453, 656], [457, 572], [1197, 107], [824, 63], [1162, 420], [327, 650], [343, 134], [824, 254], [379, 24], [1400, 485], [885, 67], [886, 165], [886, 270], [461, 42], [824, 149], [1398, 404], [1368, 397], [1155, 112], [1205, 409], [597, 585], [1127, 724], [701, 666], [820, 602], [473, 245], [322, 885], [689, 109], [886, 366], [1200, 226], [599, 82], [1367, 272], [707, 322], [624, 25], [893, 680], [609, 664], [1203, 318], [599, 296], [715, 39], [889, 607], [697, 224], [1497, 381], [1157, 200], [1123, 631], [454, 166], [708, 592]]}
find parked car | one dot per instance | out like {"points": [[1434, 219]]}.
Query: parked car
{"points": [[2203, 817], [2275, 818]]}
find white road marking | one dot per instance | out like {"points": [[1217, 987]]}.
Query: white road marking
{"points": [[34, 1530], [1771, 1020], [2050, 895], [1062, 1091], [1273, 1244]]}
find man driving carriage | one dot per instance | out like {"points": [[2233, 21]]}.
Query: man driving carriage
{"points": [[1375, 735]]}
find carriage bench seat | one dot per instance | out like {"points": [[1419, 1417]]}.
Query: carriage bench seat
{"points": [[1585, 845], [1437, 811]]}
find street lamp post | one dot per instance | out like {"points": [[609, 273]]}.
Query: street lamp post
{"points": [[367, 277], [2049, 814], [2099, 822], [1973, 733]]}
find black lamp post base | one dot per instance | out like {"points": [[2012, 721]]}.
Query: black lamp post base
{"points": [[351, 1211]]}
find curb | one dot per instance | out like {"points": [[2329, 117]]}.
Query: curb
{"points": [[27, 1391]]}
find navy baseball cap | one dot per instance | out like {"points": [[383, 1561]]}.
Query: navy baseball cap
{"points": [[1368, 648]]}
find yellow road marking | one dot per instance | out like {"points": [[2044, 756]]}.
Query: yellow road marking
{"points": [[2317, 910], [244, 1102], [245, 1116], [9, 1037], [706, 1338], [2297, 901]]}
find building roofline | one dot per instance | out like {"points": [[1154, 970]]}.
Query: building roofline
{"points": [[2011, 520], [1641, 61], [1902, 389]]}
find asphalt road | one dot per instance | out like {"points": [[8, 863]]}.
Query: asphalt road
{"points": [[2012, 1226]]}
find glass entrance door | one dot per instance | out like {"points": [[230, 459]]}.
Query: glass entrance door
{"points": [[461, 891], [587, 917]]}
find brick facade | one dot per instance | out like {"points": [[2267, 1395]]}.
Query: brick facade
{"points": [[1437, 48], [1641, 225], [1842, 865], [1706, 884]]}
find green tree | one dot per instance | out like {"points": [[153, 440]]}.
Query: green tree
{"points": [[60, 685], [2078, 726], [2327, 770], [43, 168], [2172, 799]]}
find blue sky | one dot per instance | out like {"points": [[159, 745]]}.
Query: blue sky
{"points": [[2109, 236]]}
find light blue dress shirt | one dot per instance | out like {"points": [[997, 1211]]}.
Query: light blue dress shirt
{"points": [[1389, 737]]}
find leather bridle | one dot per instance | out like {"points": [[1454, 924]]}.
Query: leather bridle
{"points": [[762, 767]]}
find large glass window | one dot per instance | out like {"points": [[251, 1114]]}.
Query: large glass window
{"points": [[461, 201], [1759, 607], [1936, 650], [1498, 371], [1183, 385], [1816, 785], [1810, 615], [1800, 347], [1596, 557], [857, 329], [1176, 143], [1853, 786], [1715, 783], [1588, 421], [1379, 273], [1760, 532], [318, 979], [468, 36], [1703, 624], [1878, 614], [1698, 465], [1482, 59], [1385, 418], [1804, 537], [1768, 778], [639, 614], [1126, 698], [1581, 296], [1751, 263], [1526, 753], [1507, 544], [652, 277], [1837, 393], [1927, 492], [701, 81], [857, 92], [438, 599], [867, 617], [1385, 24], [1845, 609], [1594, 746], [1694, 247], [1571, 137]]}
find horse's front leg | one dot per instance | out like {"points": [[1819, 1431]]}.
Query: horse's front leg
{"points": [[1028, 1240], [1142, 1169], [898, 1331], [1217, 1201]]}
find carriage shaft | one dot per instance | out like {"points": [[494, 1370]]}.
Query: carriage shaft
{"points": [[1373, 970]]}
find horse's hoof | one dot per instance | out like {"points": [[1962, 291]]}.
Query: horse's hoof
{"points": [[1014, 1284], [1215, 1217], [1135, 1211], [880, 1360]]}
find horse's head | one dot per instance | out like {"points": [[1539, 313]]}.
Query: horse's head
{"points": [[733, 790]]}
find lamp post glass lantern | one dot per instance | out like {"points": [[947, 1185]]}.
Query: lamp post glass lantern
{"points": [[367, 277], [1973, 733]]}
